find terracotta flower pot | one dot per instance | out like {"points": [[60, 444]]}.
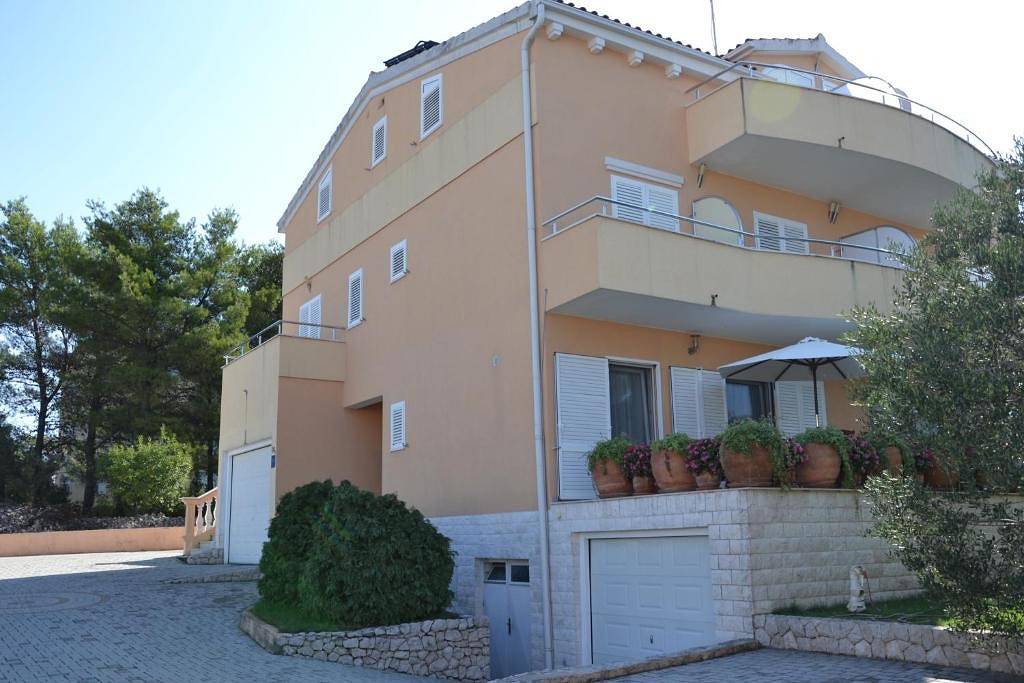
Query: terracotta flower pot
{"points": [[742, 469], [708, 482], [940, 479], [610, 480], [644, 486], [671, 473], [893, 461], [820, 469]]}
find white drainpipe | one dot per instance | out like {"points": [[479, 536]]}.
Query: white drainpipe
{"points": [[535, 345]]}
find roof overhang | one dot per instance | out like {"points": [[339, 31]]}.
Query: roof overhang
{"points": [[826, 54]]}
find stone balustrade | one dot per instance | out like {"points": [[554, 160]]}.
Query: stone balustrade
{"points": [[200, 519]]}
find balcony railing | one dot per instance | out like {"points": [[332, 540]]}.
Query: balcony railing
{"points": [[860, 88], [695, 228], [285, 328]]}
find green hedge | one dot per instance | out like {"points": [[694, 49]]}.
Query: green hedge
{"points": [[290, 541]]}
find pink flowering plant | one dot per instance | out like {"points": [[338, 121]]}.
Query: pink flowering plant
{"points": [[923, 459], [702, 456], [862, 455], [637, 461]]}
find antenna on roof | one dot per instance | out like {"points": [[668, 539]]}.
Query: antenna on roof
{"points": [[714, 32]]}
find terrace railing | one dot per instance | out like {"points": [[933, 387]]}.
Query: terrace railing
{"points": [[285, 328]]}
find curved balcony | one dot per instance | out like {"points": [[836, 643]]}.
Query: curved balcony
{"points": [[704, 278], [834, 145]]}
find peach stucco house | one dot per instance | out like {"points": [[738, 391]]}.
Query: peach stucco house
{"points": [[468, 308]]}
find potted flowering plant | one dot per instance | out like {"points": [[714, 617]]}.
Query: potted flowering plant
{"points": [[703, 463], [937, 472], [792, 455], [751, 451], [668, 463], [605, 462], [893, 452], [637, 464], [863, 458], [824, 454]]}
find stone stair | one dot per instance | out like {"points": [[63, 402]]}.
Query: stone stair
{"points": [[206, 553]]}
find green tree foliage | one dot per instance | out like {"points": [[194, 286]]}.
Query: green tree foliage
{"points": [[373, 561], [151, 475], [259, 271], [290, 540], [945, 371]]}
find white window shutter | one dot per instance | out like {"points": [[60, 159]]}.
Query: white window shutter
{"points": [[794, 234], [713, 407], [399, 263], [355, 298], [685, 401], [309, 318], [379, 142], [794, 406], [397, 426], [431, 105], [323, 197], [583, 415], [629, 192], [769, 232], [666, 200]]}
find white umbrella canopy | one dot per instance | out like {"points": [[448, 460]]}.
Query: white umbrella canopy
{"points": [[810, 359]]}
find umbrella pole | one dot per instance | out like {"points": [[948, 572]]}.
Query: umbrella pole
{"points": [[814, 381]]}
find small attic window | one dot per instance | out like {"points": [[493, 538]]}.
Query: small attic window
{"points": [[323, 197]]}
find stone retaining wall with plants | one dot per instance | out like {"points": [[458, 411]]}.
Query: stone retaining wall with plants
{"points": [[889, 640], [456, 649]]}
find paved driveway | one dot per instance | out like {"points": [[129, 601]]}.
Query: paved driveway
{"points": [[784, 666], [110, 617]]}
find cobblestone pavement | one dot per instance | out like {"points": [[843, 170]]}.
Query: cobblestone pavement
{"points": [[110, 617], [787, 666]]}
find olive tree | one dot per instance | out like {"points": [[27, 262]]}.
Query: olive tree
{"points": [[945, 370]]}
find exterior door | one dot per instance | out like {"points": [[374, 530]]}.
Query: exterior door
{"points": [[507, 604], [649, 596], [251, 505]]}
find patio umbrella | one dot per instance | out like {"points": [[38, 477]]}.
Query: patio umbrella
{"points": [[809, 359]]}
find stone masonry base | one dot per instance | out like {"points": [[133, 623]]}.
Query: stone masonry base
{"points": [[889, 640], [440, 648]]}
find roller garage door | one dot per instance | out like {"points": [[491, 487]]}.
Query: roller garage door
{"points": [[649, 596]]}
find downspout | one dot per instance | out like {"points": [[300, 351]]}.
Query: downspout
{"points": [[538, 409]]}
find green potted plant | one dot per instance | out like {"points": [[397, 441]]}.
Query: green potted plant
{"points": [[703, 462], [605, 462], [863, 457], [824, 453], [668, 462], [894, 454], [749, 452], [936, 471], [637, 465]]}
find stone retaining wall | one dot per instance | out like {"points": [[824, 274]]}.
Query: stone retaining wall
{"points": [[889, 640], [440, 648]]}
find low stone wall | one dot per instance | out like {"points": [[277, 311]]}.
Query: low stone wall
{"points": [[889, 640], [440, 648], [92, 541]]}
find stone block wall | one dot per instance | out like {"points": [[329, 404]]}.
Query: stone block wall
{"points": [[889, 640]]}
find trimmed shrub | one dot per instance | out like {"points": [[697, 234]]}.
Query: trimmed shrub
{"points": [[375, 562], [290, 540]]}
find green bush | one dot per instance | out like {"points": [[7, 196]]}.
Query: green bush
{"points": [[678, 442], [151, 475], [290, 540], [609, 450], [375, 562]]}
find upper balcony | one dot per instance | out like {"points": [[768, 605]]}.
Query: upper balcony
{"points": [[834, 140], [602, 259]]}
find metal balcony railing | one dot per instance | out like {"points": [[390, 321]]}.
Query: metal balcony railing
{"points": [[696, 228], [285, 328], [860, 88]]}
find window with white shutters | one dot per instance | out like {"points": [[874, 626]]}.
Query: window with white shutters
{"points": [[355, 298], [794, 406], [399, 261], [641, 198], [397, 426], [431, 105], [379, 142], [698, 402], [583, 417], [309, 318], [780, 234], [323, 197]]}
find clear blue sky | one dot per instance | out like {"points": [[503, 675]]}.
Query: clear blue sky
{"points": [[227, 103]]}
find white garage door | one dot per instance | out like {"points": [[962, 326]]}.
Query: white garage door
{"points": [[251, 505], [649, 596]]}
